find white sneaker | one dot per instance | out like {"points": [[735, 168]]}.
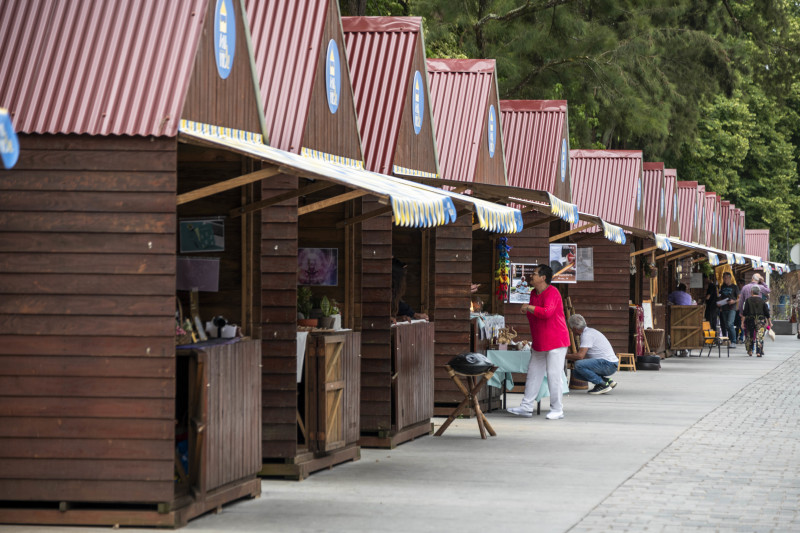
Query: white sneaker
{"points": [[555, 415], [519, 411]]}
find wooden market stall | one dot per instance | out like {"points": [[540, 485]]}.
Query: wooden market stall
{"points": [[390, 84], [466, 114], [307, 99], [104, 422]]}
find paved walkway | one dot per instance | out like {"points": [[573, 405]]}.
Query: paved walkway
{"points": [[706, 444]]}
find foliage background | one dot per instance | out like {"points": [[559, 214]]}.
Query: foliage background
{"points": [[711, 88]]}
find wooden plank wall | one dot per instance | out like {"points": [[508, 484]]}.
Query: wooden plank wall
{"points": [[87, 285], [233, 437], [604, 301], [376, 296], [279, 321], [413, 345], [352, 391], [452, 279]]}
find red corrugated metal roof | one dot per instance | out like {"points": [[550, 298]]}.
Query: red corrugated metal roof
{"points": [[100, 68], [380, 52], [672, 202], [532, 136], [653, 201], [605, 183], [701, 214], [741, 231], [725, 228], [286, 38], [687, 202], [757, 243], [460, 91], [712, 219]]}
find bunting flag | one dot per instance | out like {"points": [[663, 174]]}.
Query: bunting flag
{"points": [[663, 243], [739, 259], [613, 233], [729, 258], [402, 171], [712, 258], [563, 210]]}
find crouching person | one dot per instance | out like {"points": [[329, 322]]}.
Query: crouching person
{"points": [[595, 360]]}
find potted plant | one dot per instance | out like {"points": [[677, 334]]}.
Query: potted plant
{"points": [[304, 306], [329, 311]]}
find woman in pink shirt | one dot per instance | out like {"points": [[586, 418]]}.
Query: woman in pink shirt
{"points": [[550, 340]]}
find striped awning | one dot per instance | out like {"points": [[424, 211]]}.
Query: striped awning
{"points": [[663, 243], [729, 258], [713, 258], [563, 210], [613, 233], [756, 263], [403, 171], [413, 205], [740, 260]]}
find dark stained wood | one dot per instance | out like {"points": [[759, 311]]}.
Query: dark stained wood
{"points": [[416, 151], [94, 491], [491, 169], [332, 133], [230, 102], [604, 301], [414, 361]]}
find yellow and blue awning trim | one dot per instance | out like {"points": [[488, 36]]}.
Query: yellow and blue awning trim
{"points": [[663, 243], [739, 258], [563, 210], [220, 132], [713, 259], [613, 233], [411, 206], [756, 263], [331, 158], [397, 170], [491, 217], [729, 258]]}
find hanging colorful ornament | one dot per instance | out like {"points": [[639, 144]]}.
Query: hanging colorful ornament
{"points": [[501, 274]]}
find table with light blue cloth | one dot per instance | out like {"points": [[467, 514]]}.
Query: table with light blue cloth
{"points": [[508, 361]]}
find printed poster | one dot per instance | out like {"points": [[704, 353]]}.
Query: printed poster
{"points": [[563, 261], [519, 278]]}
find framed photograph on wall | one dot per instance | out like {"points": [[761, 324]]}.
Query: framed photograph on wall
{"points": [[202, 235], [519, 278], [318, 266], [563, 259]]}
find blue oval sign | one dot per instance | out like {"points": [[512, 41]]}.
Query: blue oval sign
{"points": [[675, 207], [492, 130], [563, 160], [333, 76], [419, 102], [639, 195], [9, 143], [224, 37]]}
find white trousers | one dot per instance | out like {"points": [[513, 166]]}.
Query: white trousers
{"points": [[552, 362]]}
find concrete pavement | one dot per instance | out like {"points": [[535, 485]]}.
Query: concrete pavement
{"points": [[705, 444]]}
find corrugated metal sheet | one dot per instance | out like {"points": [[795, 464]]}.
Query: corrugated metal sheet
{"points": [[653, 197], [672, 209], [380, 52], [100, 68], [710, 203], [725, 226], [605, 183], [532, 135], [459, 96], [687, 200], [757, 243], [286, 37], [742, 245]]}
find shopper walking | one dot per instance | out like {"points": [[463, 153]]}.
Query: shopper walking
{"points": [[755, 319], [549, 342]]}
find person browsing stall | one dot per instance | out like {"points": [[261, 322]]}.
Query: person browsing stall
{"points": [[400, 309], [680, 296], [728, 302], [595, 359], [550, 339]]}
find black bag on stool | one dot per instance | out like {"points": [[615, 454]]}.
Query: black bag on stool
{"points": [[648, 362], [471, 364]]}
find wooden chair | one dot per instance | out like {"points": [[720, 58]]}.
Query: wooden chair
{"points": [[626, 361]]}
